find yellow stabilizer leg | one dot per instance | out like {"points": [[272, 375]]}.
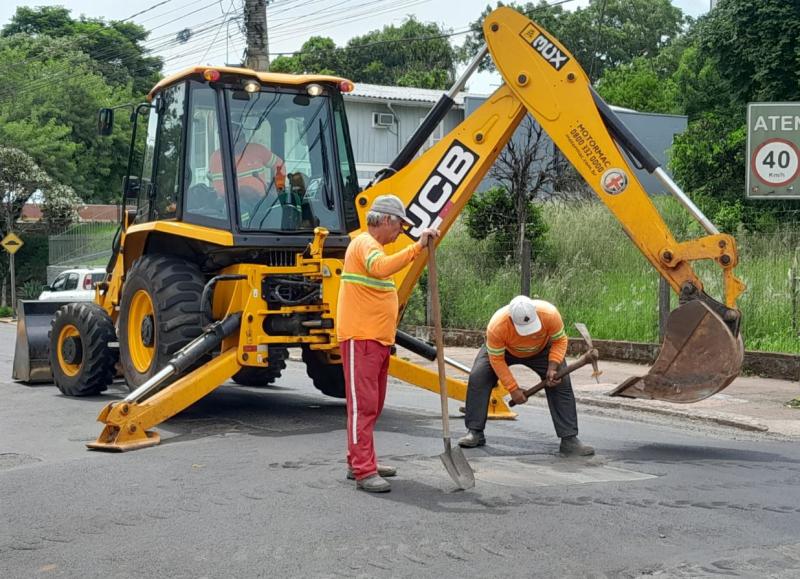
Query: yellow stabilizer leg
{"points": [[127, 423], [456, 389]]}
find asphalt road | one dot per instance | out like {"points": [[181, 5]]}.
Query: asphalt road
{"points": [[250, 483]]}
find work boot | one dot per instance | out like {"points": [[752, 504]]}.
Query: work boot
{"points": [[373, 484], [472, 439], [384, 470], [572, 446]]}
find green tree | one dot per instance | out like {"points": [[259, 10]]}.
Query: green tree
{"points": [[646, 83], [52, 115], [412, 54], [115, 48], [743, 51], [526, 170], [602, 35]]}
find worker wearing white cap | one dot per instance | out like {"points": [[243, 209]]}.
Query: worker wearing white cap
{"points": [[528, 332]]}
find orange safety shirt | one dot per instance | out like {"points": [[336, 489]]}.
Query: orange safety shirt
{"points": [[255, 167], [368, 305], [502, 337]]}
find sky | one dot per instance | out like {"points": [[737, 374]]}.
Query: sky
{"points": [[218, 39]]}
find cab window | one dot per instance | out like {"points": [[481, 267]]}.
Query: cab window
{"points": [[205, 185], [170, 148], [284, 154]]}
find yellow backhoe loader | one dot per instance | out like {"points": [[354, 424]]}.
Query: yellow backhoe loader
{"points": [[246, 196]]}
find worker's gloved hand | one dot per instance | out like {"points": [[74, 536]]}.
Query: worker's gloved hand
{"points": [[552, 381], [517, 396]]}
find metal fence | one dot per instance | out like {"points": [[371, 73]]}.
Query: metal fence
{"points": [[83, 244]]}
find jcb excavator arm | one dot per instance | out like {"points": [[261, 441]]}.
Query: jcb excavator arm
{"points": [[703, 350]]}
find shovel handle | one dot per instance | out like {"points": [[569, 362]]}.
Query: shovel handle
{"points": [[436, 312]]}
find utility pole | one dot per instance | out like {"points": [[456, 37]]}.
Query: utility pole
{"points": [[255, 22]]}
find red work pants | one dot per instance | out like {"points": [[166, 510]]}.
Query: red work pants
{"points": [[366, 369]]}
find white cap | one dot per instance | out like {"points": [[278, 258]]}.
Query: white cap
{"points": [[523, 316]]}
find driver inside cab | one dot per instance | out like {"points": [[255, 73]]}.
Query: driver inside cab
{"points": [[259, 172]]}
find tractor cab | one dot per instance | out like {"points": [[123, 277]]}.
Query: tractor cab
{"points": [[258, 155]]}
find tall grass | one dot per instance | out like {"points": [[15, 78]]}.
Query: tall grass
{"points": [[596, 275]]}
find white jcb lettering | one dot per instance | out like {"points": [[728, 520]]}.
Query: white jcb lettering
{"points": [[439, 188], [418, 214], [456, 163], [428, 197]]}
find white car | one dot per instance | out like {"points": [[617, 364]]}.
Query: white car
{"points": [[73, 285]]}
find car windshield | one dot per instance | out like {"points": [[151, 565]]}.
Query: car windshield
{"points": [[282, 149]]}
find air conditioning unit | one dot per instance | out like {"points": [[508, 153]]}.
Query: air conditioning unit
{"points": [[382, 120]]}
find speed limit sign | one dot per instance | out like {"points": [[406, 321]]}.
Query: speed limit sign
{"points": [[773, 144]]}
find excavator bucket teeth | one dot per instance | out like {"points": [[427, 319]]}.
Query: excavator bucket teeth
{"points": [[700, 356], [32, 350]]}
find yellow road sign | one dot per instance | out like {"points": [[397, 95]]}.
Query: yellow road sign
{"points": [[11, 243]]}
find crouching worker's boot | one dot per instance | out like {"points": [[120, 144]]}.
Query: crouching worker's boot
{"points": [[571, 446], [374, 484], [472, 439]]}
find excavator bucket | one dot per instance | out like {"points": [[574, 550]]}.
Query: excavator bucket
{"points": [[32, 351], [700, 356]]}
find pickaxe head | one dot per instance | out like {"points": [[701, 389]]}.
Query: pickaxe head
{"points": [[584, 332]]}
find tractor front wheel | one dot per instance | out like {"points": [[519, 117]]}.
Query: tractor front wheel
{"points": [[80, 355]]}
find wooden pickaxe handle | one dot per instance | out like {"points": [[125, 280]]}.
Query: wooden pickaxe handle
{"points": [[589, 357]]}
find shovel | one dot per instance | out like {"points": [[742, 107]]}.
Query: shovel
{"points": [[453, 458]]}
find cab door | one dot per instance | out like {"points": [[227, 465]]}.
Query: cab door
{"points": [[161, 180]]}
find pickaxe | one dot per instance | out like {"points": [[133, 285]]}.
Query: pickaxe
{"points": [[590, 357]]}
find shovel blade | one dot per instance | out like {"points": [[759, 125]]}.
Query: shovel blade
{"points": [[457, 467], [700, 356]]}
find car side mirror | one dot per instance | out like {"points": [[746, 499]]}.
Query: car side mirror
{"points": [[105, 122], [130, 187], [46, 288]]}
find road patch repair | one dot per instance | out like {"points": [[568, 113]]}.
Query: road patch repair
{"points": [[526, 471]]}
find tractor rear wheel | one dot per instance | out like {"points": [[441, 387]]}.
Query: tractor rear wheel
{"points": [[160, 313], [328, 378], [253, 376], [80, 356]]}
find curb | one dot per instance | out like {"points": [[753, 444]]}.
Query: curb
{"points": [[655, 407]]}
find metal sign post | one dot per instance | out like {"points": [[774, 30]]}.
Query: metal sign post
{"points": [[773, 150], [12, 243]]}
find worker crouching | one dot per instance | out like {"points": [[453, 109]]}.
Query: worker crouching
{"points": [[531, 333]]}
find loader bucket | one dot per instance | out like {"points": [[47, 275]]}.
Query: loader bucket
{"points": [[700, 356], [32, 351]]}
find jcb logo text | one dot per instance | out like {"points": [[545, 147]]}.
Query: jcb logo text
{"points": [[426, 207]]}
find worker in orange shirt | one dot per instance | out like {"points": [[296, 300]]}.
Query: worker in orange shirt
{"points": [[366, 322], [531, 333]]}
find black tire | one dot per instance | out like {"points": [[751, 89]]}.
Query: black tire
{"points": [[174, 288], [80, 356], [327, 378], [252, 376]]}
